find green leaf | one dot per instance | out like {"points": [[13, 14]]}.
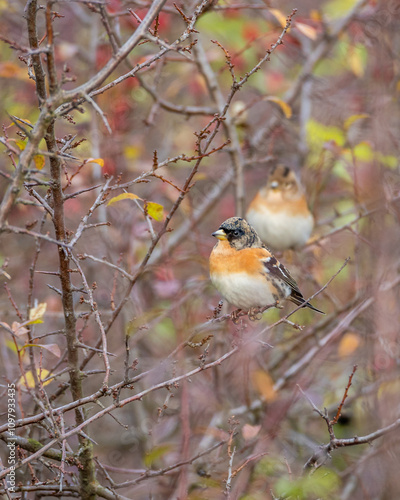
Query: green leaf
{"points": [[322, 484], [123, 196], [155, 210], [338, 8]]}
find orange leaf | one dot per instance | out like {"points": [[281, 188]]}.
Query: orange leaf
{"points": [[99, 161], [264, 384], [280, 16], [250, 431], [287, 110], [11, 70], [348, 344]]}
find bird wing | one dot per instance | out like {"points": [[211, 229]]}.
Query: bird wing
{"points": [[279, 271]]}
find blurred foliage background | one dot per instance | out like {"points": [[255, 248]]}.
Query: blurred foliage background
{"points": [[326, 104]]}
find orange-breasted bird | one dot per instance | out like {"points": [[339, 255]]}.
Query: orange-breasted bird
{"points": [[279, 212], [245, 272]]}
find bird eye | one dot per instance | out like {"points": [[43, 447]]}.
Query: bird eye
{"points": [[236, 233]]}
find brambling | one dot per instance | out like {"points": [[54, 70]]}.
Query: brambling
{"points": [[245, 272], [279, 212]]}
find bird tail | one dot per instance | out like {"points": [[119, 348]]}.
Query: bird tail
{"points": [[299, 301]]}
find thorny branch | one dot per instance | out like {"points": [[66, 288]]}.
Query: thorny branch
{"points": [[89, 319]]}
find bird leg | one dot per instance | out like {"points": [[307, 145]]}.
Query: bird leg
{"points": [[236, 314]]}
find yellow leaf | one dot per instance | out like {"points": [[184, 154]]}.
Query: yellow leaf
{"points": [[353, 118], [201, 176], [18, 329], [264, 384], [39, 161], [23, 120], [99, 161], [356, 62], [287, 110], [348, 344], [155, 210], [36, 314], [29, 381], [20, 144], [123, 196], [307, 30], [279, 16], [132, 152]]}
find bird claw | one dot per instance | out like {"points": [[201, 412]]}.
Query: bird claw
{"points": [[254, 314], [235, 316]]}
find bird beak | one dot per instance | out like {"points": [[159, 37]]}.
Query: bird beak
{"points": [[220, 235], [274, 184]]}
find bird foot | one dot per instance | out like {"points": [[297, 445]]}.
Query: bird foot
{"points": [[235, 315]]}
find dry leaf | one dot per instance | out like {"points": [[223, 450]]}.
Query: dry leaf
{"points": [[36, 314], [264, 385], [250, 431], [5, 325], [53, 348], [18, 329]]}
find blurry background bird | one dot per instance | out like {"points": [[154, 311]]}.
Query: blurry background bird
{"points": [[279, 212]]}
